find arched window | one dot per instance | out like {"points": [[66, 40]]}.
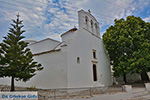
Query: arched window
{"points": [[96, 26], [94, 72], [91, 24], [78, 60], [94, 54], [86, 19]]}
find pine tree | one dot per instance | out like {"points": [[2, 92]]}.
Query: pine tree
{"points": [[16, 60]]}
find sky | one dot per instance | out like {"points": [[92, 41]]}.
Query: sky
{"points": [[50, 18]]}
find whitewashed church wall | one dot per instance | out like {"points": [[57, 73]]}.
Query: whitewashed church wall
{"points": [[81, 75], [104, 61], [54, 74], [68, 36], [45, 45]]}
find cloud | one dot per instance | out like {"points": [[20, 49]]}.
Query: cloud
{"points": [[31, 12], [61, 16], [108, 10], [147, 19], [50, 18], [104, 10]]}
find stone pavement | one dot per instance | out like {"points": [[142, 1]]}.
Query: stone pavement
{"points": [[136, 94]]}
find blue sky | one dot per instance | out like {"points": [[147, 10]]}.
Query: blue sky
{"points": [[50, 18]]}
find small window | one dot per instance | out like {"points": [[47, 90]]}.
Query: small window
{"points": [[86, 19], [96, 26], [91, 24], [94, 72], [94, 54], [78, 60]]}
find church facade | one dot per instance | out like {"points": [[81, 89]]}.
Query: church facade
{"points": [[80, 60]]}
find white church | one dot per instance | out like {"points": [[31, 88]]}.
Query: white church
{"points": [[80, 60]]}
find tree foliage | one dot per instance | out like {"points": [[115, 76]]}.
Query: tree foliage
{"points": [[128, 44], [16, 60]]}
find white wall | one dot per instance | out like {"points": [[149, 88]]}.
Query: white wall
{"points": [[54, 74], [43, 45], [104, 61], [81, 75], [81, 44]]}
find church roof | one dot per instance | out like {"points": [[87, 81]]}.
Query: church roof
{"points": [[45, 40], [71, 30], [30, 41], [45, 52]]}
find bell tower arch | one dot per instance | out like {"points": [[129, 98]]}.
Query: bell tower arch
{"points": [[88, 21]]}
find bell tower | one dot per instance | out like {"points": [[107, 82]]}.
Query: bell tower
{"points": [[88, 22]]}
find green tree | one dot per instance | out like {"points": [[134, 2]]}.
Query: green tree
{"points": [[16, 60], [126, 41], [140, 62]]}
